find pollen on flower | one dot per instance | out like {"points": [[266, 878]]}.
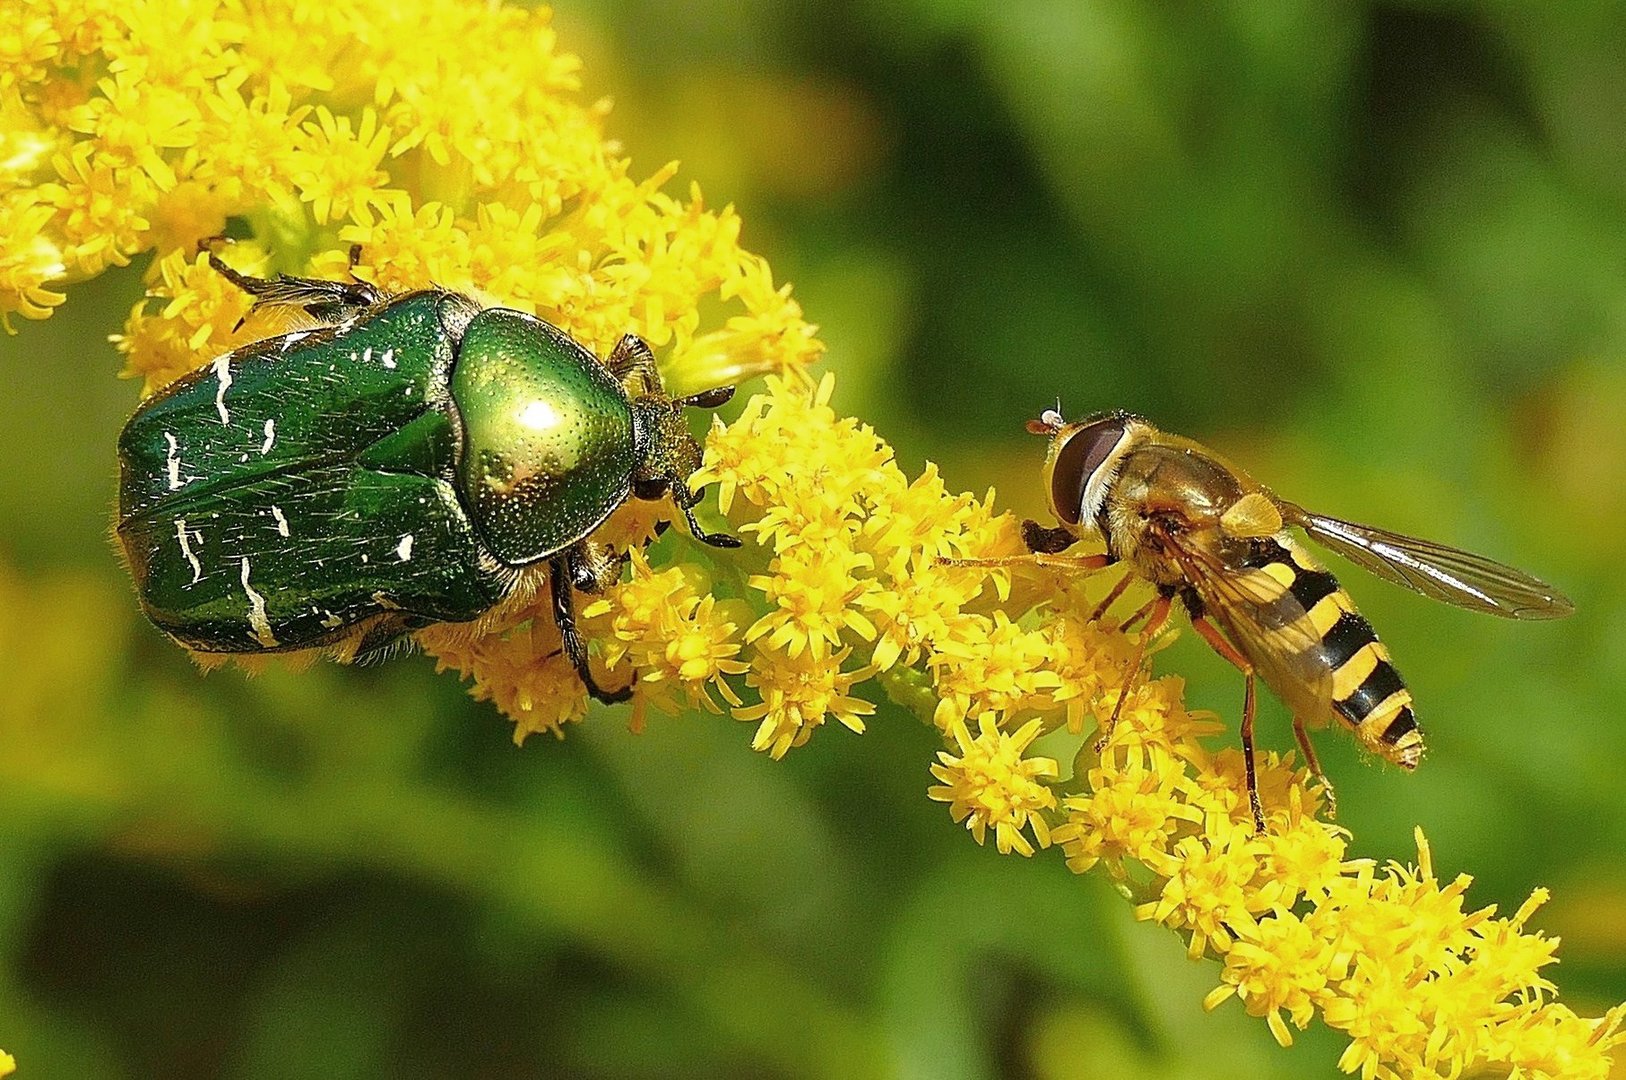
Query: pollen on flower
{"points": [[94, 202], [1304, 857], [812, 591], [916, 609], [788, 444], [1278, 965], [337, 166], [1090, 660], [798, 693], [199, 314], [991, 665], [923, 522], [524, 673], [1136, 810], [30, 260], [1208, 889], [991, 784], [666, 627]]}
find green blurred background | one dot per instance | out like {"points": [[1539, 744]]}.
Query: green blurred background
{"points": [[1375, 252]]}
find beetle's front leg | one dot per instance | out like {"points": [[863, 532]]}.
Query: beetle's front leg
{"points": [[594, 567], [685, 500], [562, 572]]}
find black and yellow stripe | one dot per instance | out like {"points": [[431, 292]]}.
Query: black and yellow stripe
{"points": [[1365, 690]]}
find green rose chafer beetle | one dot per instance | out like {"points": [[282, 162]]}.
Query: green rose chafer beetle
{"points": [[407, 460]]}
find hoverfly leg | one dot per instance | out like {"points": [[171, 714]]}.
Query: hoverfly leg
{"points": [[1315, 767], [1219, 644], [1144, 610], [1035, 558], [1247, 756], [1110, 598], [1160, 615]]}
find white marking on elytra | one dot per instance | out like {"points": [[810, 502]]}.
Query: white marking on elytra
{"points": [[186, 549], [291, 339], [282, 522], [367, 355], [403, 550], [388, 359], [258, 621], [331, 621], [364, 558], [223, 373], [270, 437], [175, 480]]}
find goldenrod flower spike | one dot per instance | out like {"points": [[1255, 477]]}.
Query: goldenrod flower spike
{"points": [[449, 140]]}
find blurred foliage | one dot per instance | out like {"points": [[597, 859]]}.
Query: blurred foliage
{"points": [[1377, 253]]}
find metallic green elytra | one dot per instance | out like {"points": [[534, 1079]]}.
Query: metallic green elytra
{"points": [[407, 460]]}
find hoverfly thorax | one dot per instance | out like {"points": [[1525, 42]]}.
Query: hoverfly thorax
{"points": [[1083, 458]]}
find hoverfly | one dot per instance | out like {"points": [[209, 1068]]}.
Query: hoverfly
{"points": [[1204, 532]]}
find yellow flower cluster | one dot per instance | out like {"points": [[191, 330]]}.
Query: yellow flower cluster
{"points": [[448, 141]]}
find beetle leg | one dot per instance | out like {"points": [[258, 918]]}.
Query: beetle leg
{"points": [[328, 302], [1221, 645], [685, 500], [633, 356], [595, 567], [564, 616], [707, 399]]}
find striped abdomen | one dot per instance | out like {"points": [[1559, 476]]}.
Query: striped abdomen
{"points": [[1333, 652]]}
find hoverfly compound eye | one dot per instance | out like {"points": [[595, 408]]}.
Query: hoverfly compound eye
{"points": [[1082, 465]]}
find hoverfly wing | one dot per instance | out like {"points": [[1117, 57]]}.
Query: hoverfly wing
{"points": [[1444, 573], [1250, 602]]}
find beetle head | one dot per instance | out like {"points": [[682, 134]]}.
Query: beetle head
{"points": [[667, 453]]}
